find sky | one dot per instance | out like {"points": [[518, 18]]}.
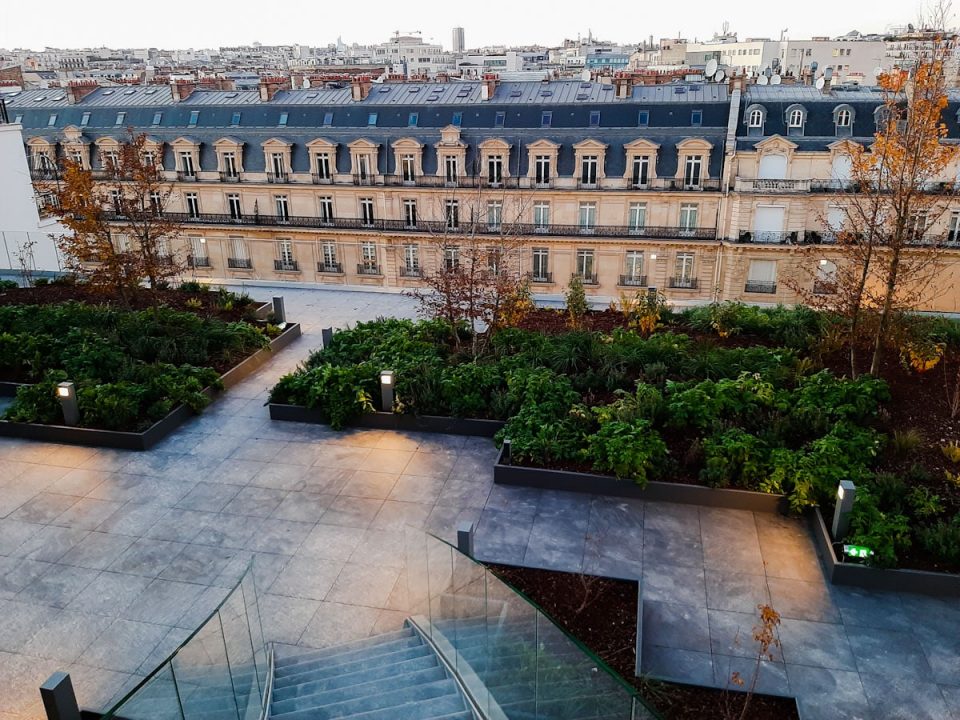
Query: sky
{"points": [[188, 23]]}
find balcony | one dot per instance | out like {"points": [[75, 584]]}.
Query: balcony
{"points": [[240, 263], [633, 281], [834, 186], [759, 185], [187, 175], [368, 269], [542, 278], [679, 282], [587, 185], [770, 237], [229, 177], [277, 178], [286, 266], [319, 179], [330, 268], [760, 286], [411, 271], [586, 278], [198, 261], [364, 180], [44, 174], [824, 287]]}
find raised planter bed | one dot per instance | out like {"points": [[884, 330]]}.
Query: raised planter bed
{"points": [[505, 473], [871, 578], [156, 432], [394, 421]]}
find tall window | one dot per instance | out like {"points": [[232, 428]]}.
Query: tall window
{"points": [[156, 203], [408, 168], [588, 216], [285, 258], [684, 270], [494, 214], [541, 264], [541, 216], [688, 218], [411, 258], [239, 253], [641, 171], [917, 226], [542, 165], [193, 205], [843, 118], [283, 207], [633, 267], [149, 158], [825, 282], [326, 209], [755, 119], [585, 265], [637, 217], [277, 166], [233, 205], [198, 251], [186, 163], [451, 170], [230, 165], [368, 257], [795, 119], [323, 166], [366, 211], [588, 170], [363, 168], [692, 171], [453, 214], [954, 233], [546, 119], [762, 276], [451, 257], [495, 169], [328, 255], [410, 213], [111, 161]]}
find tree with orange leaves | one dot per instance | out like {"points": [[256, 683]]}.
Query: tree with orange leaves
{"points": [[120, 236]]}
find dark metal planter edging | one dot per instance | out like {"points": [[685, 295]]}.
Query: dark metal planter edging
{"points": [[871, 578], [545, 479], [393, 421], [156, 432]]}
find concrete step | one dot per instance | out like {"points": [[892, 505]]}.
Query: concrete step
{"points": [[320, 659], [444, 691], [306, 672], [447, 707], [386, 671], [342, 648]]}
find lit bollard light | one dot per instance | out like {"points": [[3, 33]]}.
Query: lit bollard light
{"points": [[67, 395], [387, 379], [846, 494]]}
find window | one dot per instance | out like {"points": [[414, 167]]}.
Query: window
{"points": [[633, 268], [762, 276], [328, 254], [641, 171], [843, 118], [542, 167], [156, 203], [193, 205], [121, 117], [825, 282], [363, 168], [282, 206], [194, 118], [953, 235], [453, 214], [198, 251], [692, 171], [917, 226], [186, 163], [587, 216], [239, 254], [323, 166], [283, 119], [451, 257], [326, 209], [115, 199], [408, 168], [285, 259], [499, 119], [696, 118], [588, 170], [411, 259], [755, 119], [85, 119], [412, 119], [684, 271], [371, 119], [157, 118], [541, 216], [637, 217], [494, 260], [233, 205], [585, 266], [451, 170], [410, 213], [368, 257], [494, 214], [52, 121], [229, 160], [795, 119], [688, 218], [235, 119], [495, 169], [457, 119], [546, 119], [594, 118], [643, 118], [76, 157], [541, 265], [366, 211], [149, 158], [327, 119]]}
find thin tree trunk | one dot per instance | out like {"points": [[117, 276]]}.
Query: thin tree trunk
{"points": [[885, 313]]}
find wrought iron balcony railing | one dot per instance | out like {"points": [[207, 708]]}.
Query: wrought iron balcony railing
{"points": [[187, 175], [411, 271], [273, 177], [760, 286], [679, 282], [824, 287], [331, 268], [286, 265], [542, 278], [586, 278], [319, 179], [240, 263], [230, 177], [633, 281], [368, 269], [198, 261]]}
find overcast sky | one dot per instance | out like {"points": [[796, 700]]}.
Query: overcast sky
{"points": [[189, 23]]}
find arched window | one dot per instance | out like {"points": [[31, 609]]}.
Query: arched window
{"points": [[756, 119], [795, 119], [844, 117]]}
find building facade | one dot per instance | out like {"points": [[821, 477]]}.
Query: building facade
{"points": [[699, 191]]}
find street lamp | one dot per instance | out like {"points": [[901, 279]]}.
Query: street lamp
{"points": [[67, 395], [387, 381], [846, 494]]}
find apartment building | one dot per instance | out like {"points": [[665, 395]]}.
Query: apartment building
{"points": [[702, 192]]}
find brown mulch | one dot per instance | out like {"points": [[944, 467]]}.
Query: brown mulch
{"points": [[602, 614], [141, 300]]}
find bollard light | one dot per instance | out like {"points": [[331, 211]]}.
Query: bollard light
{"points": [[67, 395], [326, 336], [507, 451], [387, 381], [846, 494], [279, 314]]}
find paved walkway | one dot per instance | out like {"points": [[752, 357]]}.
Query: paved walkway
{"points": [[109, 558]]}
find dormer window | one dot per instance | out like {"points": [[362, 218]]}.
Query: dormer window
{"points": [[843, 120], [796, 117], [756, 119]]}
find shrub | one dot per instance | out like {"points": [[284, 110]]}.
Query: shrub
{"points": [[904, 442], [470, 388], [630, 449], [886, 533], [734, 457], [576, 302], [942, 540], [340, 393], [951, 451], [8, 285], [924, 502], [643, 311]]}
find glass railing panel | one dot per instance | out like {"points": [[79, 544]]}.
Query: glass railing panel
{"points": [[243, 669], [203, 674], [155, 700], [260, 655], [440, 601], [469, 622]]}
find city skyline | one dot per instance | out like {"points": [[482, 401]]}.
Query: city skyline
{"points": [[209, 28]]}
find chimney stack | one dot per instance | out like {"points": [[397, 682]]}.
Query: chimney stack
{"points": [[360, 87], [270, 85], [623, 85], [299, 80], [77, 90], [182, 89], [489, 87]]}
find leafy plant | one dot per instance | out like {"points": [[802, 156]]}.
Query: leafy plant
{"points": [[340, 393], [951, 451], [630, 449], [904, 442], [734, 457], [8, 285], [576, 302], [942, 540], [886, 533], [924, 502]]}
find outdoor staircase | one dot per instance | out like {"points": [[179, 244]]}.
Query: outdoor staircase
{"points": [[395, 676]]}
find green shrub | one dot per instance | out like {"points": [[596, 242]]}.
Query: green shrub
{"points": [[38, 403], [734, 458], [8, 285], [886, 533], [942, 540], [470, 389], [904, 442], [576, 302], [630, 449], [924, 502], [340, 393]]}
